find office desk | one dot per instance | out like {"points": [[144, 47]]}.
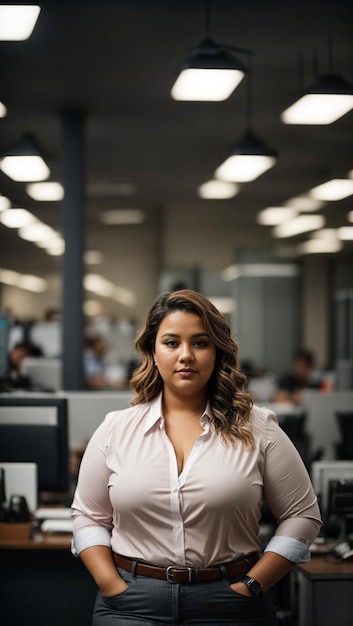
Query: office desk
{"points": [[325, 592], [42, 584]]}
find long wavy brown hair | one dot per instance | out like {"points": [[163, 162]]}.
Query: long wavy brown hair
{"points": [[230, 403]]}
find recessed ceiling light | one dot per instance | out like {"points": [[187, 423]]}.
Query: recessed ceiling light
{"points": [[32, 283], [55, 239], [16, 218], [217, 190], [335, 189], [256, 270], [111, 189], [9, 277], [36, 232], [275, 215], [93, 257], [320, 246], [47, 191], [345, 233], [55, 247], [298, 225], [122, 216], [328, 234], [223, 304], [230, 273], [304, 203], [4, 203], [103, 287], [99, 285], [23, 281]]}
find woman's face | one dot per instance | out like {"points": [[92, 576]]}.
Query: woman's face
{"points": [[184, 353]]}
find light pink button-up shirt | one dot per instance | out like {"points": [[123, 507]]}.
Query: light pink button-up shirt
{"points": [[129, 495]]}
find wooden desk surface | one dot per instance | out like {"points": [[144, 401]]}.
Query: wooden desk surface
{"points": [[326, 566], [40, 541]]}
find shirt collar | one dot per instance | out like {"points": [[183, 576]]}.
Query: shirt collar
{"points": [[155, 415]]}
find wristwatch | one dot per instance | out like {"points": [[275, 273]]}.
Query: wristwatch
{"points": [[253, 585]]}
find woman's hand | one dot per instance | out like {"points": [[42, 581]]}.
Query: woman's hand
{"points": [[242, 589], [99, 562], [114, 587]]}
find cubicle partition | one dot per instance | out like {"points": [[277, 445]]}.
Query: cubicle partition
{"points": [[321, 421], [87, 409]]}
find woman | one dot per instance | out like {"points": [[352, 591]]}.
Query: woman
{"points": [[167, 507]]}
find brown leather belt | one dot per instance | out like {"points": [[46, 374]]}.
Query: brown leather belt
{"points": [[185, 574]]}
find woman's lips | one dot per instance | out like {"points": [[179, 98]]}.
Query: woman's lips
{"points": [[186, 373]]}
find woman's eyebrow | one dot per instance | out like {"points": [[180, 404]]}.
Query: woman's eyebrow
{"points": [[176, 335]]}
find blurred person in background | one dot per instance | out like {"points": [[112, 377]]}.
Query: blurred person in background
{"points": [[18, 353], [291, 385], [97, 373]]}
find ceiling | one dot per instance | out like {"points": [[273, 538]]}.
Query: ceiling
{"points": [[115, 61]]}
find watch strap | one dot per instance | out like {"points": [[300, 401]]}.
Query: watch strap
{"points": [[253, 585]]}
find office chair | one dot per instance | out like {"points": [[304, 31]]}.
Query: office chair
{"points": [[344, 448], [294, 426]]}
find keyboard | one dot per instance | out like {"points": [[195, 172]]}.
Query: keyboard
{"points": [[57, 526]]}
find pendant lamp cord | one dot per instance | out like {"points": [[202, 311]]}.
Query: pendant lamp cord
{"points": [[249, 104], [207, 19], [330, 53]]}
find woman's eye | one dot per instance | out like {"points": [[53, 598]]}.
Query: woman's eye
{"points": [[171, 343], [200, 344]]}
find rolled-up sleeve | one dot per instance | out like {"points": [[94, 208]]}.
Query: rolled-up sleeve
{"points": [[92, 511], [290, 496], [292, 549]]}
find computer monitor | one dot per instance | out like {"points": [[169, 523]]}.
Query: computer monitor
{"points": [[35, 430], [44, 373], [322, 472], [340, 504], [4, 339]]}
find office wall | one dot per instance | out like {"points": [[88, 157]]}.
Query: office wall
{"points": [[29, 305], [303, 315], [266, 318], [316, 308]]}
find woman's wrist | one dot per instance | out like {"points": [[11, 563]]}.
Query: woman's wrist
{"points": [[113, 587]]}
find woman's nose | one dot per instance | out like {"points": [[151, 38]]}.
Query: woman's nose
{"points": [[186, 353]]}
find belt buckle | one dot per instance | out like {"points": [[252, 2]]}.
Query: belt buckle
{"points": [[169, 573]]}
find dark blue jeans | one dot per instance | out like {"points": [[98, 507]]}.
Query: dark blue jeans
{"points": [[151, 602]]}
